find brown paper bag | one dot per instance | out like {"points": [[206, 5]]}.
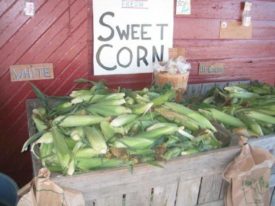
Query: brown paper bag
{"points": [[248, 177], [42, 191]]}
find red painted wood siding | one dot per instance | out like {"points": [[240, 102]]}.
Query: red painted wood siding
{"points": [[61, 33]]}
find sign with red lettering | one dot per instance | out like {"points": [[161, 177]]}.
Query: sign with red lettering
{"points": [[130, 35], [28, 72]]}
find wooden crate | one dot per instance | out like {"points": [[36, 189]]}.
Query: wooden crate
{"points": [[183, 181]]}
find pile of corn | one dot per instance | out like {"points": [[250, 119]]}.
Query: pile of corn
{"points": [[95, 128], [245, 109]]}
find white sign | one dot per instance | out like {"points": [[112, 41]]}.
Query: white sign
{"points": [[130, 35], [183, 7]]}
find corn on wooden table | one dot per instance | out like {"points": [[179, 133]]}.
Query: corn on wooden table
{"points": [[184, 181]]}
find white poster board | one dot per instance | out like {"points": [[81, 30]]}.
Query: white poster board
{"points": [[129, 35]]}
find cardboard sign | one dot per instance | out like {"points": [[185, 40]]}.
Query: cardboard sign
{"points": [[211, 68], [130, 35], [28, 72], [235, 30]]}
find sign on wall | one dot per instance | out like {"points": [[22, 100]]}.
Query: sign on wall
{"points": [[26, 72], [129, 35]]}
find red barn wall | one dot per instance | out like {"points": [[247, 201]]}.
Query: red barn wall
{"points": [[61, 33]]}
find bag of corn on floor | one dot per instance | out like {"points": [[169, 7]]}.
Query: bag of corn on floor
{"points": [[248, 177], [42, 191]]}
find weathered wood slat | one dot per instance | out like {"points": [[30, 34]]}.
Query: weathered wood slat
{"points": [[261, 29], [110, 201], [227, 9], [165, 195], [142, 197], [188, 192], [215, 203], [210, 188], [215, 49]]}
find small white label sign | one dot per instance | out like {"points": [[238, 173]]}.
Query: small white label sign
{"points": [[183, 7]]}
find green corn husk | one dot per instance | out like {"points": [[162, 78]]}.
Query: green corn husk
{"points": [[81, 92], [86, 153], [114, 96], [96, 139], [134, 143], [123, 119], [85, 164], [90, 98], [178, 118], [158, 132], [169, 95], [238, 92], [203, 121], [40, 112], [107, 130], [171, 153], [141, 108], [115, 102], [77, 120], [222, 117], [77, 133], [252, 125], [108, 110], [260, 117], [39, 124], [61, 149]]}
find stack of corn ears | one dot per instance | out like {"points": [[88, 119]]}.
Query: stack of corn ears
{"points": [[245, 109], [95, 128]]}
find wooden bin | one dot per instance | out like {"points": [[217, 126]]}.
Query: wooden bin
{"points": [[183, 181]]}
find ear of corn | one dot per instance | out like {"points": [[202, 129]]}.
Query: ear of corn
{"points": [[133, 142], [235, 91], [81, 92], [86, 153], [77, 120], [252, 125], [158, 132], [96, 140], [123, 119], [164, 98], [178, 118], [203, 122], [90, 98], [39, 124], [40, 112], [114, 96], [77, 133], [61, 149], [107, 130], [142, 108], [223, 117], [108, 110], [260, 117]]}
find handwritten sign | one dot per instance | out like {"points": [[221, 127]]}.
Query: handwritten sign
{"points": [[31, 72], [130, 35], [211, 68]]}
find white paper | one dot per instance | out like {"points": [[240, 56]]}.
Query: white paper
{"points": [[148, 25], [183, 7]]}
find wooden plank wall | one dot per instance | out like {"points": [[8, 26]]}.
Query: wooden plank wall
{"points": [[61, 33]]}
